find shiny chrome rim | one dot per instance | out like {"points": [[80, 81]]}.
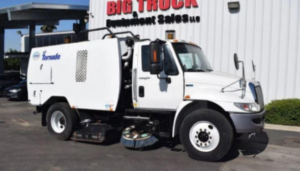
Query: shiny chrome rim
{"points": [[204, 136], [58, 122]]}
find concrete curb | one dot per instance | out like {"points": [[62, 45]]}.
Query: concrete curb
{"points": [[282, 127]]}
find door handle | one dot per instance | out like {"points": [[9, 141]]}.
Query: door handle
{"points": [[141, 91]]}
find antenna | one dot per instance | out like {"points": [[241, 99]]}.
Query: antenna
{"points": [[254, 69]]}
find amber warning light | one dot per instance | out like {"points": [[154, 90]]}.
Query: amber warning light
{"points": [[170, 34]]}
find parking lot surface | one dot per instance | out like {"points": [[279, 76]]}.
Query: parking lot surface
{"points": [[26, 145]]}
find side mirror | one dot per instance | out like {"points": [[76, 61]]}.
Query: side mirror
{"points": [[155, 58], [236, 61]]}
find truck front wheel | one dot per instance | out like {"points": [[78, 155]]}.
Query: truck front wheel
{"points": [[206, 135], [61, 121]]}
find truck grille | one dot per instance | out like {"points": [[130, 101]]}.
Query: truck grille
{"points": [[259, 96]]}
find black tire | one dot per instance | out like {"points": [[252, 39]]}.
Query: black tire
{"points": [[237, 135], [72, 120], [223, 126]]}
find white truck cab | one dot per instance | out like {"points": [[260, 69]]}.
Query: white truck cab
{"points": [[142, 91]]}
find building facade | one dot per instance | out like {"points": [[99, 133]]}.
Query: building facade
{"points": [[266, 32]]}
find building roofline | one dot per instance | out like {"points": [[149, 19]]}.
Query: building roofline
{"points": [[34, 5]]}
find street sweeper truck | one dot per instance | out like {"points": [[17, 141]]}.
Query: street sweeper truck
{"points": [[142, 91]]}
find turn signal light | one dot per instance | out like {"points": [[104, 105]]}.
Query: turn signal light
{"points": [[154, 57], [187, 97]]}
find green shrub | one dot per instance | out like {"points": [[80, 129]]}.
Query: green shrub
{"points": [[12, 64], [284, 112]]}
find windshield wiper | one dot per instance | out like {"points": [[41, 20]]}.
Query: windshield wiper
{"points": [[199, 70], [204, 70]]}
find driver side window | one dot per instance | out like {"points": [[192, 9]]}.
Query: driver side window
{"points": [[168, 62]]}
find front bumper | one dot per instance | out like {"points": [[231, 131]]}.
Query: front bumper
{"points": [[248, 122]]}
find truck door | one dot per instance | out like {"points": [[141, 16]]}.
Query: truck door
{"points": [[153, 91]]}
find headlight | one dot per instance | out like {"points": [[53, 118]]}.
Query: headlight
{"points": [[250, 107], [14, 90]]}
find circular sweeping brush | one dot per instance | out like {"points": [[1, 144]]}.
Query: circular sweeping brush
{"points": [[135, 138]]}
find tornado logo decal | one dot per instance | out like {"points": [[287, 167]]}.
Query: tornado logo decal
{"points": [[36, 56]]}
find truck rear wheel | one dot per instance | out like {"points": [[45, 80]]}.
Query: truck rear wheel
{"points": [[206, 135], [61, 121]]}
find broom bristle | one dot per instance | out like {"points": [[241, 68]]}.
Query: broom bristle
{"points": [[133, 143]]}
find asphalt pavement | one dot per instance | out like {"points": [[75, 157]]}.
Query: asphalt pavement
{"points": [[26, 146]]}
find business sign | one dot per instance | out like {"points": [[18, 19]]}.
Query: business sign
{"points": [[125, 7]]}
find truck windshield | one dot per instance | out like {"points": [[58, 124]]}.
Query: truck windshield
{"points": [[192, 58]]}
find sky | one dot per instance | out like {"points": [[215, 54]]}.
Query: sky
{"points": [[13, 40]]}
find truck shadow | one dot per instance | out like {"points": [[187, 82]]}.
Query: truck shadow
{"points": [[245, 146], [17, 100], [13, 100]]}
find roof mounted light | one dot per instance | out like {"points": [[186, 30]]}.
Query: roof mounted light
{"points": [[234, 6], [67, 39], [170, 34]]}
